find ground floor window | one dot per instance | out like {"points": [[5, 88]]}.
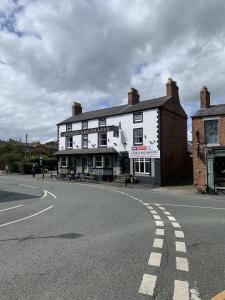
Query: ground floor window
{"points": [[63, 161], [98, 161], [142, 166]]}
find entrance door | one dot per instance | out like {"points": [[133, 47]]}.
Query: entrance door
{"points": [[219, 171], [84, 165], [125, 163]]}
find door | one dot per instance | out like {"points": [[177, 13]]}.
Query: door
{"points": [[84, 165]]}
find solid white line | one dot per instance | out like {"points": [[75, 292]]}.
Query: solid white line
{"points": [[171, 218], [148, 284], [167, 213], [154, 212], [28, 217], [156, 217], [45, 194], [181, 290], [11, 207], [159, 231], [54, 196], [30, 186], [180, 247], [155, 259], [149, 207], [158, 243], [179, 234], [176, 225], [159, 223], [162, 208], [182, 264], [193, 206]]}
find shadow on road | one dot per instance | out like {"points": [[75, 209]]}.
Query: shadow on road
{"points": [[6, 196], [59, 236]]}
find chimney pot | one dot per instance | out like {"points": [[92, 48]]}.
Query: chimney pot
{"points": [[204, 97], [172, 90], [133, 96], [76, 109]]}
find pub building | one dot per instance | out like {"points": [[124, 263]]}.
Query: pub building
{"points": [[147, 139]]}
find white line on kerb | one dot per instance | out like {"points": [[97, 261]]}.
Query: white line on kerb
{"points": [[181, 290], [148, 284], [28, 217], [158, 243], [11, 207], [180, 247], [182, 264], [155, 259]]}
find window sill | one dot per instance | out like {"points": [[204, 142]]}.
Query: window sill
{"points": [[212, 145]]}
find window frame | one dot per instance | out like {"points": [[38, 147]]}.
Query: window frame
{"points": [[139, 161], [70, 143], [62, 165], [138, 113], [100, 120], [206, 136], [135, 143], [99, 145], [82, 140], [99, 166], [84, 122], [69, 128]]}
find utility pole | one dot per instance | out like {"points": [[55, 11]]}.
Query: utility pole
{"points": [[25, 156]]}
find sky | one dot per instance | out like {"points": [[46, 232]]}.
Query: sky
{"points": [[92, 51]]}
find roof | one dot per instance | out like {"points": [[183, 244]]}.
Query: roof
{"points": [[213, 110], [117, 110], [86, 151]]}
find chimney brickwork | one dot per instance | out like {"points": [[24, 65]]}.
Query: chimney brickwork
{"points": [[204, 97], [76, 109], [172, 89], [133, 96]]}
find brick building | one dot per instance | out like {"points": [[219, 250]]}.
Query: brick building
{"points": [[147, 139], [208, 130]]}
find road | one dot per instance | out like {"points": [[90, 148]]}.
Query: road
{"points": [[62, 240]]}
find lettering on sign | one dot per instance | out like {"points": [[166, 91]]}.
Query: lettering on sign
{"points": [[144, 151], [103, 129]]}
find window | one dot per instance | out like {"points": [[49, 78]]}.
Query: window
{"points": [[98, 161], [70, 162], [138, 136], [142, 165], [85, 125], [102, 139], [211, 132], [84, 141], [138, 117], [63, 161], [69, 142], [69, 127], [102, 122], [107, 161]]}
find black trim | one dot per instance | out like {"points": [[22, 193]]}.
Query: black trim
{"points": [[142, 137], [138, 113], [101, 119], [82, 142], [85, 121], [102, 146], [68, 125]]}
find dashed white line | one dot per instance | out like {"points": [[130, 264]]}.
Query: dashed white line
{"points": [[180, 247], [182, 264], [179, 234], [157, 204], [156, 217], [181, 290], [12, 207], [159, 223], [149, 207], [148, 284], [159, 231], [154, 212], [171, 218], [162, 208], [167, 213], [176, 225], [144, 203], [30, 186], [155, 259], [158, 243]]}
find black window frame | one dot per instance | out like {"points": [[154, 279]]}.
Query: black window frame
{"points": [[100, 146], [138, 113], [82, 140], [69, 124], [71, 142], [100, 120], [84, 122], [134, 143]]}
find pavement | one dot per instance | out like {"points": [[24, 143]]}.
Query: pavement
{"points": [[63, 240]]}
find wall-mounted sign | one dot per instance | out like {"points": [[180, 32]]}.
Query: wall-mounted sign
{"points": [[103, 129], [144, 151]]}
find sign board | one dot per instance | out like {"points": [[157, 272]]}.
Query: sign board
{"points": [[144, 151], [103, 129]]}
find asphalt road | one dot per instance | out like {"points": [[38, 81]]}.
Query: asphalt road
{"points": [[63, 240]]}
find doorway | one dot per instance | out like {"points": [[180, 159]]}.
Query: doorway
{"points": [[219, 171]]}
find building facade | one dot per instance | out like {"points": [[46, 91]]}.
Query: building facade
{"points": [[208, 130], [147, 139]]}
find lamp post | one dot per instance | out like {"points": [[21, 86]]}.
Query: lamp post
{"points": [[25, 153]]}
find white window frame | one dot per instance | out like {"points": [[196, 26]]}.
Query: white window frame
{"points": [[69, 127], [139, 161], [138, 117], [62, 162], [212, 119], [137, 143], [99, 166], [69, 144], [99, 140]]}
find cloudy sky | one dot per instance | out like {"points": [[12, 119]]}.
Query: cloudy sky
{"points": [[53, 52]]}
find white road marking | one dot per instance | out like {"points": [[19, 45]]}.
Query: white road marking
{"points": [[148, 284], [155, 259], [156, 217], [149, 207], [179, 234], [180, 247], [7, 182], [159, 231], [45, 194], [176, 225], [159, 223], [193, 206], [195, 295], [162, 208], [158, 243], [30, 186], [28, 217], [11, 207], [54, 196], [181, 290], [145, 203], [171, 218], [157, 204], [154, 212], [141, 201], [182, 264], [167, 213]]}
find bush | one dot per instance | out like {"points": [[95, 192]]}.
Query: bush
{"points": [[24, 167]]}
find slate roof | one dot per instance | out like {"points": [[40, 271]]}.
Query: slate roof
{"points": [[213, 110], [86, 151], [117, 110]]}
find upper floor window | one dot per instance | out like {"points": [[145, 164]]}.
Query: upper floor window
{"points": [[138, 117], [69, 127], [102, 122], [138, 136], [69, 142], [102, 139], [84, 141], [85, 125], [211, 132]]}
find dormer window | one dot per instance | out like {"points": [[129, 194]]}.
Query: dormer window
{"points": [[138, 117], [69, 127], [102, 122]]}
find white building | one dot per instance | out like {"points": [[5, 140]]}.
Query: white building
{"points": [[124, 139]]}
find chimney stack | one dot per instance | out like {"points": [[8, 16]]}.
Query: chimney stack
{"points": [[133, 96], [76, 109], [204, 97], [172, 90]]}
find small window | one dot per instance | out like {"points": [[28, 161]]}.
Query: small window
{"points": [[69, 142], [138, 136], [211, 132], [85, 125], [84, 141], [102, 139], [107, 161], [69, 127], [98, 161], [102, 122], [63, 161], [138, 117], [142, 166]]}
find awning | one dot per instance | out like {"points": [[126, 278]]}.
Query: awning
{"points": [[102, 150]]}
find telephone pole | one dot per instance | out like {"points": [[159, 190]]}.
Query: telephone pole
{"points": [[25, 154]]}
